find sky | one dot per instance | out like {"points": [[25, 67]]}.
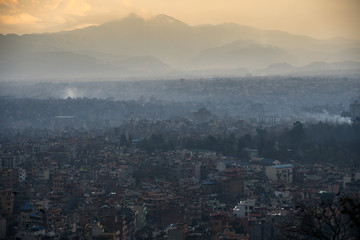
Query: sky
{"points": [[316, 18]]}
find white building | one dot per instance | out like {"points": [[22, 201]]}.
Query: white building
{"points": [[282, 173], [244, 208], [22, 175]]}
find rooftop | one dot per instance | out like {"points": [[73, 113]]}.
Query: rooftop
{"points": [[283, 166]]}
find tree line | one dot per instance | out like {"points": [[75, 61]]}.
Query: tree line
{"points": [[320, 142]]}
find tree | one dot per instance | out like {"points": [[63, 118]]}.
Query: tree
{"points": [[351, 208], [331, 220], [297, 134]]}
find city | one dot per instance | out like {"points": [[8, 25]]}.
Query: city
{"points": [[199, 178]]}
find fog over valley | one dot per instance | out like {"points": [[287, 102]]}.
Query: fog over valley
{"points": [[308, 98]]}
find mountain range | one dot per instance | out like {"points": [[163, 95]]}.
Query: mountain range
{"points": [[164, 46]]}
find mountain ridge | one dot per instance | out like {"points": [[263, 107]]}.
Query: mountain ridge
{"points": [[166, 44]]}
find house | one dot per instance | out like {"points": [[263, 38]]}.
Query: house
{"points": [[259, 164], [244, 208], [280, 172]]}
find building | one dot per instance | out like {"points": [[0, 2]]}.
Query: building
{"points": [[22, 175], [25, 212], [244, 208], [58, 183], [141, 216], [200, 172], [282, 173], [260, 164], [9, 178], [2, 227], [355, 109], [6, 201], [252, 153], [155, 203]]}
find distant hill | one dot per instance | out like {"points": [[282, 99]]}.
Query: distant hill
{"points": [[313, 68], [278, 69], [164, 46], [323, 67], [241, 53]]}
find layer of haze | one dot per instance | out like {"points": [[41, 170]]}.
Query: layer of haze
{"points": [[316, 18]]}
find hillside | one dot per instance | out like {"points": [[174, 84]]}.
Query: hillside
{"points": [[163, 46]]}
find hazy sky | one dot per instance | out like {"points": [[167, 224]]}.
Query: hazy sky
{"points": [[317, 18]]}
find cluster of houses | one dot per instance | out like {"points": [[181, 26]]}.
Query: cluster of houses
{"points": [[89, 186]]}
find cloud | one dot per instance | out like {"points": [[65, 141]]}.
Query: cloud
{"points": [[22, 18], [8, 3], [8, 6], [75, 7], [27, 16]]}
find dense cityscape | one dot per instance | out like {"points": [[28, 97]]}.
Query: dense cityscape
{"points": [[189, 176]]}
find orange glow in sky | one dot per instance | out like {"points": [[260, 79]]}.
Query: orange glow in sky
{"points": [[316, 18]]}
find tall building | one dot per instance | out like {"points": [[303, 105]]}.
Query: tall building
{"points": [[6, 201]]}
